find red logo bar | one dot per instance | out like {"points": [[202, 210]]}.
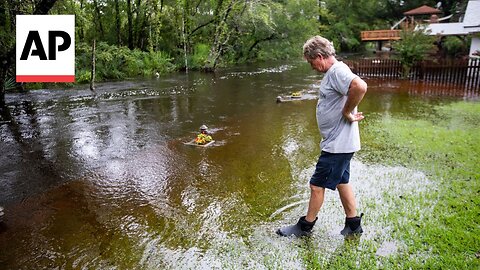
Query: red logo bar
{"points": [[45, 78]]}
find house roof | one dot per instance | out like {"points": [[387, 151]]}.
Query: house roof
{"points": [[471, 14], [470, 24], [422, 11], [446, 29]]}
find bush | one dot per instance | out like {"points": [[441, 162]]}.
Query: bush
{"points": [[200, 55], [453, 46], [413, 47], [82, 76], [114, 62]]}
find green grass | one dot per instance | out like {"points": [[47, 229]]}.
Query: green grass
{"points": [[436, 229], [445, 145]]}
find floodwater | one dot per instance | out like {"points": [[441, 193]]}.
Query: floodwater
{"points": [[105, 181]]}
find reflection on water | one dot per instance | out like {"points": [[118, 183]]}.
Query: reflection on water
{"points": [[104, 181]]}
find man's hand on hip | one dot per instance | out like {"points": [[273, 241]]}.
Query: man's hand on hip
{"points": [[354, 117]]}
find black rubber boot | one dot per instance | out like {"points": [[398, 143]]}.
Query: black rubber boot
{"points": [[353, 226], [302, 228]]}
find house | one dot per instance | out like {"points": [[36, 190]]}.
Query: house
{"points": [[470, 26], [419, 15], [417, 19], [412, 18]]}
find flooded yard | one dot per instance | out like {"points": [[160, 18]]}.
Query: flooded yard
{"points": [[105, 181]]}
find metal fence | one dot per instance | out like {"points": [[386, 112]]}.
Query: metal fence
{"points": [[440, 72]]}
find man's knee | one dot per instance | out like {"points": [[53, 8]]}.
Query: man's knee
{"points": [[316, 189], [342, 188]]}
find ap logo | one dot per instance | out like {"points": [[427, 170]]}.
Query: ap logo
{"points": [[45, 48]]}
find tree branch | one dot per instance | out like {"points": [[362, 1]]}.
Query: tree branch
{"points": [[44, 6], [201, 26]]}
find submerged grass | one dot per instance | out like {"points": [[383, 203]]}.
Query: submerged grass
{"points": [[445, 146], [393, 200]]}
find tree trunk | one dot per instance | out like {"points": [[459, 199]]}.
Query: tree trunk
{"points": [[99, 19], [144, 33], [92, 78], [130, 26], [220, 39], [117, 23], [44, 6], [2, 87], [138, 24], [81, 34], [184, 42]]}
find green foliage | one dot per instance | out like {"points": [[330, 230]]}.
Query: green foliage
{"points": [[82, 76], [453, 46], [199, 56], [9, 83], [113, 63], [341, 21], [413, 47], [277, 36], [7, 40], [444, 145], [213, 33]]}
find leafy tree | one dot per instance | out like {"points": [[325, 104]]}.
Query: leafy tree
{"points": [[343, 20], [203, 34], [413, 47], [454, 46], [269, 30], [8, 10]]}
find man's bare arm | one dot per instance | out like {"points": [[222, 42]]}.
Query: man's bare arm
{"points": [[356, 91]]}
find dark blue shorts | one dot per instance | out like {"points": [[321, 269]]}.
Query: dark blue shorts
{"points": [[331, 170]]}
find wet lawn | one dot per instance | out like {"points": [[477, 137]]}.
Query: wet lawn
{"points": [[439, 227]]}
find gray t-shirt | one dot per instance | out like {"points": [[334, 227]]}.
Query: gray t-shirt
{"points": [[339, 135]]}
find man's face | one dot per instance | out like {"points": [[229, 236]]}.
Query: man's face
{"points": [[318, 63]]}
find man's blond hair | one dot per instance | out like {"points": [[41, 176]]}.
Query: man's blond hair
{"points": [[318, 45]]}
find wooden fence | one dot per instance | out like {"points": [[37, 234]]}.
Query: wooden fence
{"points": [[441, 72]]}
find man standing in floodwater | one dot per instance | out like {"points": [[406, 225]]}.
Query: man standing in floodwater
{"points": [[337, 118]]}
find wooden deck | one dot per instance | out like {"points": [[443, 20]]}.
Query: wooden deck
{"points": [[377, 35]]}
